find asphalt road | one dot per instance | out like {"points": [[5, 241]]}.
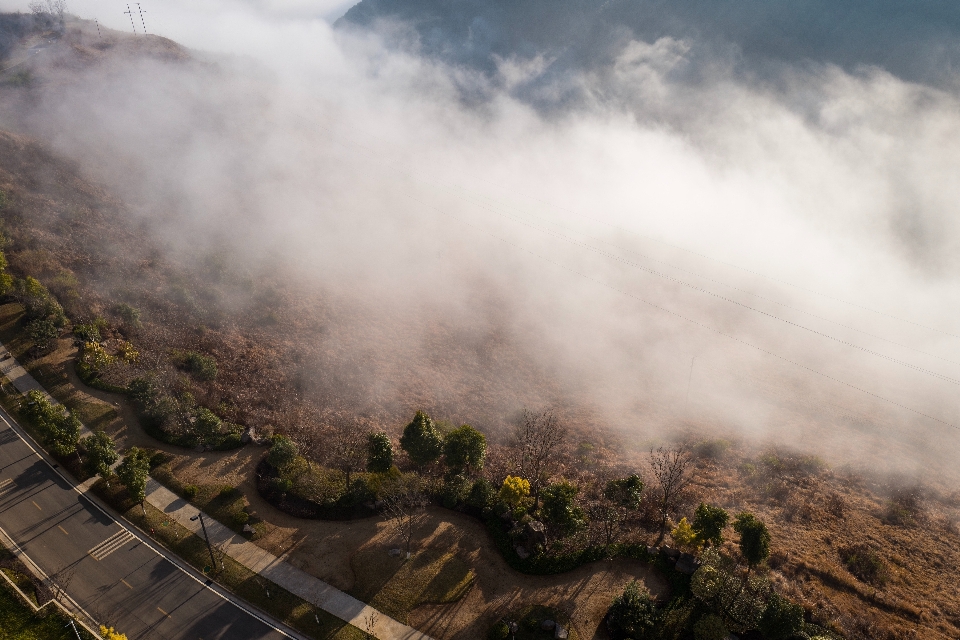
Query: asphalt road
{"points": [[115, 576]]}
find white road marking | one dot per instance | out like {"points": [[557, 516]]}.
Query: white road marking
{"points": [[7, 486], [111, 544]]}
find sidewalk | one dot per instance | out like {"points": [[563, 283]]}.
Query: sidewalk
{"points": [[264, 563], [278, 571]]}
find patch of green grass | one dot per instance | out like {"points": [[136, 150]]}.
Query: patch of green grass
{"points": [[224, 503], [19, 622], [281, 604], [24, 583], [396, 586]]}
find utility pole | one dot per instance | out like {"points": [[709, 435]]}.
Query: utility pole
{"points": [[132, 24], [690, 377], [98, 29], [213, 561], [142, 21]]}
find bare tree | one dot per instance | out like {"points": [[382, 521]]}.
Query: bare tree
{"points": [[404, 505], [370, 625], [53, 8], [671, 469], [348, 445], [539, 437]]}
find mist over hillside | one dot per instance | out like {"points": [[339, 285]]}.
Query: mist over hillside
{"points": [[657, 219]]}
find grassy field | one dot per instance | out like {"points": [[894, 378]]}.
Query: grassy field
{"points": [[396, 586], [19, 622]]}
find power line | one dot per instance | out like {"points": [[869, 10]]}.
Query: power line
{"points": [[738, 303], [404, 171], [129, 12], [690, 320]]}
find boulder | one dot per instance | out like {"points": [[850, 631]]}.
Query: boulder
{"points": [[548, 625], [246, 437], [669, 553], [687, 564], [535, 534], [395, 553], [248, 529], [522, 552], [653, 550], [560, 633]]}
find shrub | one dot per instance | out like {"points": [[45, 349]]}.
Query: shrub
{"points": [[499, 631], [190, 491], [684, 534], [130, 316], [88, 332], [625, 492], [710, 627], [865, 564], [781, 619], [240, 518], [455, 489], [43, 332], [283, 451], [560, 510], [632, 615], [482, 494], [201, 366], [514, 491]]}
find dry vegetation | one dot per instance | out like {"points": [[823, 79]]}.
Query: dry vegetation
{"points": [[873, 558]]}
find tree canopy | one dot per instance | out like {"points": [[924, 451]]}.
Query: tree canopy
{"points": [[465, 449], [379, 453], [421, 440], [133, 473], [708, 524], [101, 454], [560, 510], [754, 538]]}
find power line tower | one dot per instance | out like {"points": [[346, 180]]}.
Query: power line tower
{"points": [[142, 21], [132, 23]]}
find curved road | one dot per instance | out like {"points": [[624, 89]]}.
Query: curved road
{"points": [[110, 572]]}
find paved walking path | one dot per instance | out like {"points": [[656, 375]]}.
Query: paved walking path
{"points": [[260, 561]]}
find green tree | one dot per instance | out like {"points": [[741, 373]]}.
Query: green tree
{"points": [[42, 332], [781, 619], [708, 524], [37, 301], [421, 440], [379, 453], [754, 538], [560, 510], [101, 454], [633, 615], [283, 451], [64, 435], [207, 427], [464, 450], [625, 492], [514, 492], [87, 332], [41, 412], [710, 627], [482, 494], [6, 280], [133, 473]]}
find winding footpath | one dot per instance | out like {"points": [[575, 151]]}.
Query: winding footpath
{"points": [[310, 588]]}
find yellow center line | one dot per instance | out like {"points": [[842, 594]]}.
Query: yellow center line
{"points": [[36, 505], [62, 529], [126, 583], [163, 612]]}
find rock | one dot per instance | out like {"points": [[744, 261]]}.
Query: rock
{"points": [[247, 529], [507, 516], [669, 553], [560, 633], [548, 625], [199, 448], [535, 534], [687, 564], [395, 553], [522, 552], [653, 550], [246, 436]]}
